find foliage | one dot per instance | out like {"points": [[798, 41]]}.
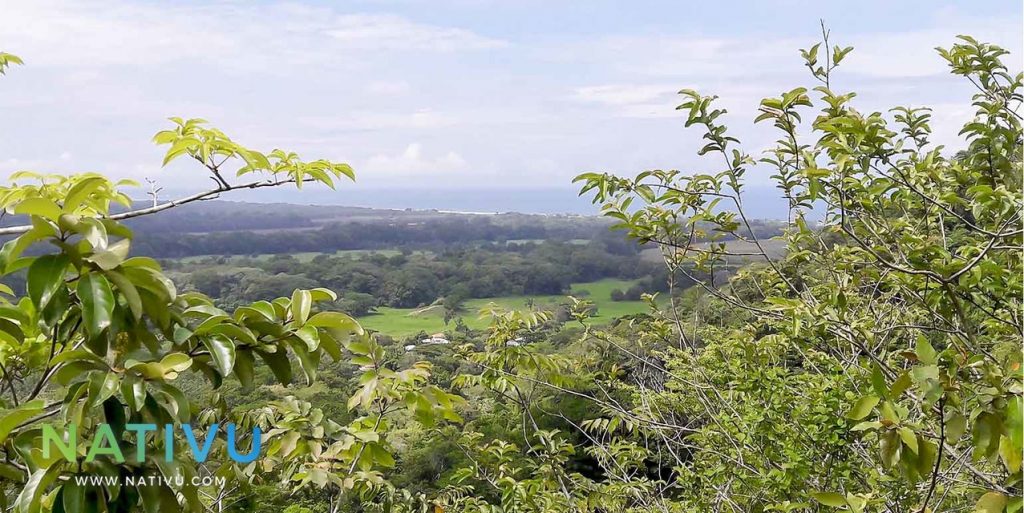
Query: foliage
{"points": [[103, 339], [875, 366], [882, 362], [420, 280], [6, 60], [227, 228]]}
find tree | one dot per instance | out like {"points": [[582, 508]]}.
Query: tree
{"points": [[903, 310], [103, 341], [876, 367], [357, 303]]}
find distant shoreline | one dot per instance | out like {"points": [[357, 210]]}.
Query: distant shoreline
{"points": [[766, 203]]}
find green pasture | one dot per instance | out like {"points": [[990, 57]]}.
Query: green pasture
{"points": [[402, 322], [303, 256]]}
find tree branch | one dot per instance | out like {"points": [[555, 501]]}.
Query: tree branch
{"points": [[14, 230]]}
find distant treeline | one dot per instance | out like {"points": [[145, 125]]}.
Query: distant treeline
{"points": [[435, 234], [222, 228], [239, 228]]}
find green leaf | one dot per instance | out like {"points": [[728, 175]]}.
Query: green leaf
{"points": [[909, 438], [956, 426], [150, 279], [1014, 505], [991, 502], [10, 254], [830, 499], [322, 294], [986, 433], [309, 336], [73, 497], [97, 303], [93, 231], [865, 426], [360, 346], [889, 413], [925, 352], [901, 384], [878, 381], [112, 256], [41, 207], [222, 350], [174, 402], [302, 300], [244, 365], [13, 418], [45, 276], [329, 343], [176, 362], [334, 320], [180, 147], [1015, 421], [862, 408], [167, 368], [32, 493], [922, 373], [79, 192], [279, 365], [130, 293], [178, 472], [134, 392], [890, 447], [380, 456], [102, 387], [1011, 456], [309, 361]]}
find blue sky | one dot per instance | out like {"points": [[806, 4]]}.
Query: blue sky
{"points": [[457, 95]]}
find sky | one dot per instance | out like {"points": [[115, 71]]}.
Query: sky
{"points": [[497, 100]]}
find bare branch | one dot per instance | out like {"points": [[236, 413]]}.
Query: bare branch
{"points": [[14, 230]]}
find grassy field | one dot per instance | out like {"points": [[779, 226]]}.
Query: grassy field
{"points": [[301, 256], [775, 248], [512, 242], [402, 322]]}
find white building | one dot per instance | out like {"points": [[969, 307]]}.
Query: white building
{"points": [[436, 339]]}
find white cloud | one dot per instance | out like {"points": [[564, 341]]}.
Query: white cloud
{"points": [[227, 35], [388, 32], [912, 54], [10, 165], [412, 160], [69, 34], [633, 100], [892, 54], [536, 105], [624, 94], [946, 122], [670, 55], [381, 120], [388, 88], [59, 164]]}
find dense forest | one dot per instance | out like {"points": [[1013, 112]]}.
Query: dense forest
{"points": [[872, 365], [236, 228], [410, 279], [431, 232]]}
